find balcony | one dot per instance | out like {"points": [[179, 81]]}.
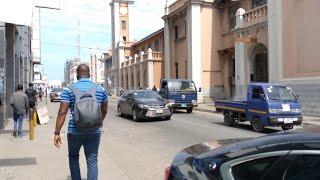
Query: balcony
{"points": [[252, 17], [157, 55], [126, 44]]}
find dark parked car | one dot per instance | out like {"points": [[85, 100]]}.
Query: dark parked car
{"points": [[288, 155], [144, 104], [55, 94]]}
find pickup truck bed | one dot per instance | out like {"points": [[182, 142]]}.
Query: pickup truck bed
{"points": [[239, 106]]}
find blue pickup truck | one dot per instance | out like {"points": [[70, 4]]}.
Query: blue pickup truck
{"points": [[182, 93], [266, 105]]}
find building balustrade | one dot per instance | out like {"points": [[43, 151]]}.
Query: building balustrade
{"points": [[157, 55], [125, 43], [252, 17], [151, 55]]}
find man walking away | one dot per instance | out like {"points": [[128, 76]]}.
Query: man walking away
{"points": [[40, 94], [19, 102], [32, 97], [79, 135], [154, 88]]}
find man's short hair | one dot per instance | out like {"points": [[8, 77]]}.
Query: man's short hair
{"points": [[30, 85], [20, 87]]}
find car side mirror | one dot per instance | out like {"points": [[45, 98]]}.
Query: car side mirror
{"points": [[200, 89], [129, 98], [297, 96]]}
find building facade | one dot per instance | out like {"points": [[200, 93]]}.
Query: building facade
{"points": [[97, 69], [223, 45], [190, 45], [121, 39], [16, 65], [144, 67], [70, 71], [134, 64]]}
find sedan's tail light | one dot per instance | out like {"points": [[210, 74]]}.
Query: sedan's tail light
{"points": [[167, 173]]}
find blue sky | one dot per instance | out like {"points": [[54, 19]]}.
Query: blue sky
{"points": [[59, 29]]}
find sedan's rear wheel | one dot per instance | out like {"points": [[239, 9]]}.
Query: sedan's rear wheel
{"points": [[135, 115], [119, 111]]}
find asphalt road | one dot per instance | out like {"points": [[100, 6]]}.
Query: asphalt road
{"points": [[141, 150]]}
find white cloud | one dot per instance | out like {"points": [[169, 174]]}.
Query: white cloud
{"points": [[147, 17]]}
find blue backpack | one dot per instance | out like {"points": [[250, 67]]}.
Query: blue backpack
{"points": [[87, 110]]}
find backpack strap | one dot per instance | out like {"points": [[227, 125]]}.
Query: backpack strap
{"points": [[92, 91], [77, 93]]}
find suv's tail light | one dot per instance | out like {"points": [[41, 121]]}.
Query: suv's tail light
{"points": [[167, 173]]}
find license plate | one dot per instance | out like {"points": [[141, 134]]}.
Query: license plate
{"points": [[183, 105], [288, 120], [159, 111]]}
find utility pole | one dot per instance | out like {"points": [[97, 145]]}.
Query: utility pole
{"points": [[78, 40]]}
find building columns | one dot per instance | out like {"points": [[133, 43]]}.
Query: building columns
{"points": [[275, 41], [194, 44], [135, 77], [129, 74], [150, 69], [141, 70], [241, 56], [167, 49]]}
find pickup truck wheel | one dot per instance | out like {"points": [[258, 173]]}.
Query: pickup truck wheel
{"points": [[189, 110], [228, 120], [287, 127], [257, 125]]}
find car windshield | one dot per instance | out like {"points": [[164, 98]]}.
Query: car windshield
{"points": [[181, 86], [57, 90], [280, 93], [147, 95]]}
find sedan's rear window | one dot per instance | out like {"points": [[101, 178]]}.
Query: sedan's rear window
{"points": [[146, 95]]}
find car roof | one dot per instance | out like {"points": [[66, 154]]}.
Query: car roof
{"points": [[284, 140], [265, 84], [134, 91], [177, 80]]}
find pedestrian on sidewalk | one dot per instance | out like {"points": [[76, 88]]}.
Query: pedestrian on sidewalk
{"points": [[20, 104], [78, 135], [32, 97], [40, 94], [154, 88]]}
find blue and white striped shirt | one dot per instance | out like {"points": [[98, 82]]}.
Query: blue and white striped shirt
{"points": [[67, 96]]}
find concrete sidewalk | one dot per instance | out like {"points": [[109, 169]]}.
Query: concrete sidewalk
{"points": [[22, 159], [209, 107]]}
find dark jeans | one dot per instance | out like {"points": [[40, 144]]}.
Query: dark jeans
{"points": [[17, 123], [90, 143]]}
